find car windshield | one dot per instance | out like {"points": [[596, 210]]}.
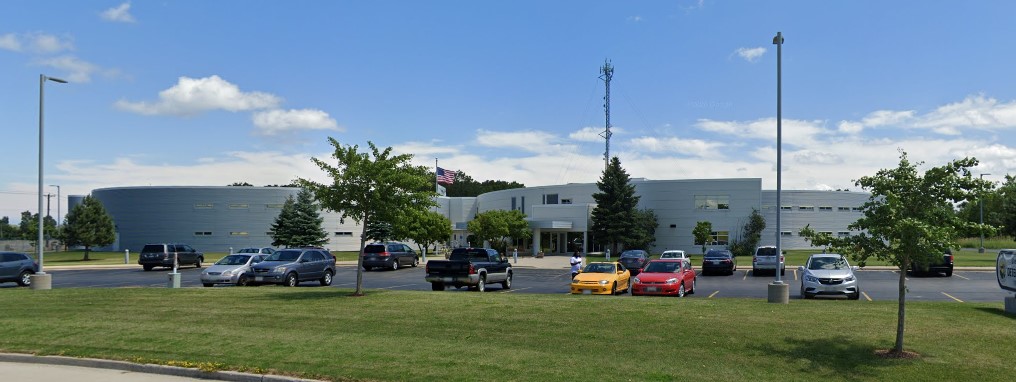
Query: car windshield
{"points": [[284, 256], [827, 263], [599, 268], [233, 260], [627, 254], [662, 267], [249, 250]]}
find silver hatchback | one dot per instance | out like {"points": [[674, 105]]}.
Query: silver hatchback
{"points": [[829, 274]]}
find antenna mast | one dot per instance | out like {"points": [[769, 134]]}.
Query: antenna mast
{"points": [[606, 73]]}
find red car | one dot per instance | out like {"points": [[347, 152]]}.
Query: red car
{"points": [[665, 277]]}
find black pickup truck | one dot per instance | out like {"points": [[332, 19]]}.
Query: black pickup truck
{"points": [[472, 267]]}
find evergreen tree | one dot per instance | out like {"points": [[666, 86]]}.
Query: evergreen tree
{"points": [[89, 225], [299, 223], [645, 230], [614, 215]]}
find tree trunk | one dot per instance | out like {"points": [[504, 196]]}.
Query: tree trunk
{"points": [[87, 249], [359, 261], [901, 315]]}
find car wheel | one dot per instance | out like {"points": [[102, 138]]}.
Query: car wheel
{"points": [[693, 286], [783, 271], [436, 286], [613, 288], [367, 269], [395, 264], [754, 271], [243, 281], [482, 286], [948, 273], [25, 278], [326, 279], [627, 289], [680, 290], [855, 296], [146, 267], [198, 264], [416, 262], [507, 283], [208, 285], [291, 280]]}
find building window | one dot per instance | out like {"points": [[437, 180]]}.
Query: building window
{"points": [[806, 208], [204, 206], [786, 233], [843, 233], [347, 234], [825, 208], [565, 201], [719, 237], [844, 209], [237, 206], [202, 233], [712, 202], [550, 199], [857, 209], [522, 205], [830, 233], [786, 208], [240, 233], [279, 206], [513, 204]]}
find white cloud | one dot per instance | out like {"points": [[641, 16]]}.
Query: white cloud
{"points": [[973, 112], [10, 42], [120, 13], [425, 149], [272, 122], [530, 141], [750, 54], [196, 95], [634, 18], [795, 132], [848, 127], [76, 69], [677, 146], [591, 134]]}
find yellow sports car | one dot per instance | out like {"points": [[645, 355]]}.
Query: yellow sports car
{"points": [[602, 278]]}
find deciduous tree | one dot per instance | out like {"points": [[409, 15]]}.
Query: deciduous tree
{"points": [[425, 228], [702, 231], [908, 220], [89, 225], [368, 185], [500, 227]]}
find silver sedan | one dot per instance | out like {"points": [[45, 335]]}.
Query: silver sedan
{"points": [[829, 274], [230, 269]]}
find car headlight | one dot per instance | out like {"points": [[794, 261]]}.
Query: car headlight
{"points": [[810, 278], [849, 278], [636, 280], [280, 270], [672, 280], [604, 282]]}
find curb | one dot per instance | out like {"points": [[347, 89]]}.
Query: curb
{"points": [[176, 371]]}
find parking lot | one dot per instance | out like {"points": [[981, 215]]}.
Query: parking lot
{"points": [[963, 286]]}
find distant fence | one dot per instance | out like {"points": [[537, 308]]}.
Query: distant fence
{"points": [[27, 245]]}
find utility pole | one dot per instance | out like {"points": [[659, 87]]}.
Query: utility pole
{"points": [[47, 204], [606, 73]]}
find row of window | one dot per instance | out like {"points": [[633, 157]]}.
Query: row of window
{"points": [[821, 208], [840, 233], [234, 206], [244, 233]]}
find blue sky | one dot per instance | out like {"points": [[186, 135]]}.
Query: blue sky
{"points": [[215, 92]]}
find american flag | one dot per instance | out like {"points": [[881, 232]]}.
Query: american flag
{"points": [[445, 176]]}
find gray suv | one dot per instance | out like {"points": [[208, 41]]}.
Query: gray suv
{"points": [[289, 267], [17, 267], [390, 255], [164, 254]]}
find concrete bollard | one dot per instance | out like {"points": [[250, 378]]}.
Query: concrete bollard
{"points": [[174, 280], [126, 256], [41, 281], [779, 293]]}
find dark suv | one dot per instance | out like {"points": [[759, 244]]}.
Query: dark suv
{"points": [[291, 266], [17, 267], [390, 255], [163, 255]]}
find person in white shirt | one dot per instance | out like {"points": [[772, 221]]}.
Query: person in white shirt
{"points": [[576, 264]]}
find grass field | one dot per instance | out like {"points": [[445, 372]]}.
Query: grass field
{"points": [[423, 336]]}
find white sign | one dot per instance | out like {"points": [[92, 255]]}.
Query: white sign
{"points": [[1006, 274]]}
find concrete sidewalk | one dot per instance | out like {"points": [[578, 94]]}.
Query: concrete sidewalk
{"points": [[27, 367]]}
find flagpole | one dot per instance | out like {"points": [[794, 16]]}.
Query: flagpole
{"points": [[437, 187]]}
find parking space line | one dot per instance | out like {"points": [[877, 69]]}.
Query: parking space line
{"points": [[960, 276], [795, 273], [866, 297], [954, 298], [714, 293], [513, 290], [745, 275], [398, 286]]}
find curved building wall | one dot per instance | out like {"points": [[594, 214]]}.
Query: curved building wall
{"points": [[211, 219]]}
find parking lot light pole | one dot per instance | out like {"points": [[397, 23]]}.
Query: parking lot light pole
{"points": [[779, 292], [981, 202], [41, 280], [58, 217]]}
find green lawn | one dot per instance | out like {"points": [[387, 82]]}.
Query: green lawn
{"points": [[449, 336]]}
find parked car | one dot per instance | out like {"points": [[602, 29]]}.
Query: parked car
{"points": [[767, 259], [390, 255], [232, 269], [718, 260], [602, 278], [292, 266], [164, 254], [255, 250], [472, 267], [940, 264], [829, 274], [668, 277], [634, 260], [17, 267], [674, 254]]}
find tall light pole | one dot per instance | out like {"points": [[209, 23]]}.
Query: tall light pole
{"points": [[779, 292], [58, 217], [41, 280], [981, 201]]}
